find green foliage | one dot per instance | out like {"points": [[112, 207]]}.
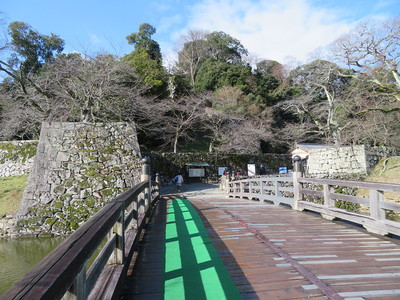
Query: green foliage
{"points": [[222, 47], [150, 70], [147, 58], [32, 49], [143, 42], [17, 152], [214, 74]]}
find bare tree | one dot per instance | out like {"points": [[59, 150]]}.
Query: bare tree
{"points": [[77, 88], [193, 52], [320, 87], [234, 124], [92, 89], [174, 120], [372, 52]]}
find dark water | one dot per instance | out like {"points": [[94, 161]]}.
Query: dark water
{"points": [[19, 255]]}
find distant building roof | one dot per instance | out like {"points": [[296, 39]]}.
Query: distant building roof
{"points": [[303, 149]]}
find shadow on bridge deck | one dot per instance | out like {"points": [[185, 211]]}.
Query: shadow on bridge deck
{"points": [[269, 252]]}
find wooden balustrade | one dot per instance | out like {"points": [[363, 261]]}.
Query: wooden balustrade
{"points": [[298, 192], [113, 233], [278, 190], [375, 205]]}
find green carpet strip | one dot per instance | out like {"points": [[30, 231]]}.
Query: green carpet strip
{"points": [[193, 269]]}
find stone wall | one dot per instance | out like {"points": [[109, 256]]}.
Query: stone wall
{"points": [[342, 161], [78, 168], [17, 157]]}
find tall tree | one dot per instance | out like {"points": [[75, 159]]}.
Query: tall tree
{"points": [[222, 47], [372, 53], [372, 50], [146, 57], [216, 48], [31, 50], [192, 54], [175, 120], [273, 68], [318, 101], [76, 88], [214, 74], [234, 124]]}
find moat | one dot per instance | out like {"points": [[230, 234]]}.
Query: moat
{"points": [[19, 255]]}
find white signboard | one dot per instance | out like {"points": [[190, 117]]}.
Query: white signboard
{"points": [[196, 172], [251, 169], [221, 170]]}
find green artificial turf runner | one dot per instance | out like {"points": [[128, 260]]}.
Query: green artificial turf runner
{"points": [[193, 269]]}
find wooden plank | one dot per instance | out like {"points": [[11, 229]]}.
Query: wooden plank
{"points": [[349, 198], [355, 184], [391, 206]]}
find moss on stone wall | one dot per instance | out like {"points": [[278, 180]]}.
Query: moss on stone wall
{"points": [[81, 167], [14, 151]]}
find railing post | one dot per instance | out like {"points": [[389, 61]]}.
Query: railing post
{"points": [[77, 291], [119, 231], [375, 199], [276, 191], [146, 176], [262, 191], [297, 173]]}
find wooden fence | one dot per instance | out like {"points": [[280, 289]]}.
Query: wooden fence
{"points": [[93, 261], [331, 198], [277, 190]]}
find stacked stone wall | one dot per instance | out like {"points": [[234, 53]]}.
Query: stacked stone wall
{"points": [[78, 168], [344, 161], [17, 157]]}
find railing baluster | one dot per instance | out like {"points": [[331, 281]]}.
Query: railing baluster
{"points": [[328, 201], [118, 229], [276, 187], [262, 191], [297, 173], [375, 198], [77, 290]]}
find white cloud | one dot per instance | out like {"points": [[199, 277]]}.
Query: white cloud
{"points": [[274, 29]]}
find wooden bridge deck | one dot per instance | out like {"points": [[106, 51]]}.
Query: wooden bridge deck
{"points": [[274, 252]]}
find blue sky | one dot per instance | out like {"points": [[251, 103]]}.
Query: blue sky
{"points": [[283, 30]]}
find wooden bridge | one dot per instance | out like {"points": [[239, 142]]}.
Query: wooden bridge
{"points": [[272, 238]]}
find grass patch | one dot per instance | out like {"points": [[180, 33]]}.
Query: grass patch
{"points": [[386, 171], [11, 190]]}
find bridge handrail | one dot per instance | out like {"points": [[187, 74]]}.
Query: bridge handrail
{"points": [[296, 191], [274, 189], [62, 274], [374, 219]]}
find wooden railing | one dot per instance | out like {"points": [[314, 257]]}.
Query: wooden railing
{"points": [[374, 206], [278, 190], [110, 235], [326, 197]]}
